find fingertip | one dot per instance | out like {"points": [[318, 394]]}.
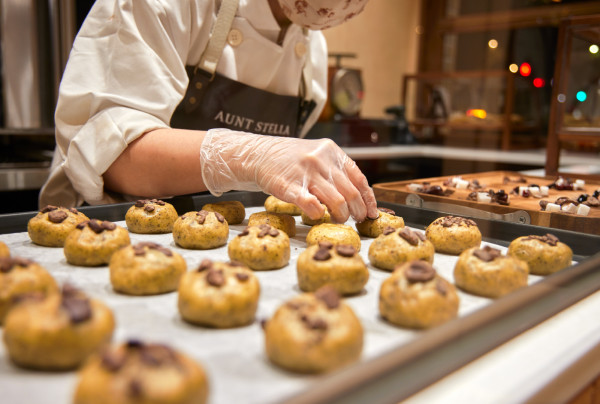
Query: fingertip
{"points": [[311, 207]]}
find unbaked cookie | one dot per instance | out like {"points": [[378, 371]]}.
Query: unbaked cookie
{"points": [[453, 234], [415, 296], [260, 248], [93, 242], [137, 372], [486, 272], [59, 332], [544, 254], [397, 246], [280, 221], [219, 295], [335, 233], [340, 267], [201, 230], [146, 268], [313, 333], [151, 216], [4, 250], [233, 211], [51, 226], [374, 227], [326, 218], [274, 205], [21, 276]]}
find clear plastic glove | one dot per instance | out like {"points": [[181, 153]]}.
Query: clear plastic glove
{"points": [[300, 171]]}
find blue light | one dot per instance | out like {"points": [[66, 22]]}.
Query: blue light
{"points": [[581, 96]]}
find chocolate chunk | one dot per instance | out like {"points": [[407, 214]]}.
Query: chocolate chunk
{"points": [[326, 244], [388, 230], [549, 239], [8, 263], [322, 254], [273, 232], [472, 196], [76, 304], [410, 236], [329, 296], [108, 225], [265, 229], [487, 253], [112, 360], [592, 202], [242, 277], [157, 355], [244, 232], [134, 344], [140, 203], [563, 200], [419, 271], [159, 202], [201, 216], [441, 287], [314, 323], [140, 248], [449, 221], [219, 217], [345, 250], [74, 211], [215, 277], [57, 216], [48, 208], [96, 226], [236, 264], [149, 208], [543, 204], [204, 265], [388, 211]]}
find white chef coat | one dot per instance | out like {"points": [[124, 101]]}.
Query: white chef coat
{"points": [[126, 75]]}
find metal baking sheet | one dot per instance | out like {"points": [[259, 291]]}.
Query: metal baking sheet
{"points": [[395, 363]]}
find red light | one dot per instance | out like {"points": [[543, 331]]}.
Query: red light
{"points": [[539, 82], [525, 69]]}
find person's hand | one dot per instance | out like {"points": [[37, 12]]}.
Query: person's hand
{"points": [[304, 172]]}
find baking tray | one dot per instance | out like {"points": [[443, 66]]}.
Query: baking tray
{"points": [[521, 209], [396, 362]]}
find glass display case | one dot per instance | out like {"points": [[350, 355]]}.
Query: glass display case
{"points": [[575, 108]]}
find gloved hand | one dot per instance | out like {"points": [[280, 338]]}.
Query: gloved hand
{"points": [[300, 171]]}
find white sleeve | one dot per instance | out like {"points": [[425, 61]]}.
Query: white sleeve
{"points": [[125, 76]]}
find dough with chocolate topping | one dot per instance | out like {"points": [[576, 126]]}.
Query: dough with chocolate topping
{"points": [[313, 333], [280, 221], [335, 233], [201, 230], [151, 216], [219, 294], [487, 273], [58, 332], [146, 269], [20, 276], [397, 246], [274, 205], [136, 372], [415, 296], [51, 226], [453, 234], [233, 211], [92, 243], [260, 248], [339, 266], [374, 227], [544, 254]]}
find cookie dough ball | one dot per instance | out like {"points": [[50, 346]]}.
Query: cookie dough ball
{"points": [[274, 205], [334, 233], [453, 234], [326, 218], [59, 332], [51, 226], [20, 276], [93, 242], [544, 254], [201, 230], [233, 211], [260, 248], [313, 333], [146, 269], [374, 227], [486, 272], [151, 216], [219, 295], [4, 250], [415, 296], [137, 372], [397, 246], [338, 266], [280, 221]]}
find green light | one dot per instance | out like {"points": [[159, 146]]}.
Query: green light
{"points": [[581, 96]]}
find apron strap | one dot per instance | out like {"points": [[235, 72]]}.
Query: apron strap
{"points": [[216, 43]]}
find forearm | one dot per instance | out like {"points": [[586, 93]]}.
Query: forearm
{"points": [[162, 162]]}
